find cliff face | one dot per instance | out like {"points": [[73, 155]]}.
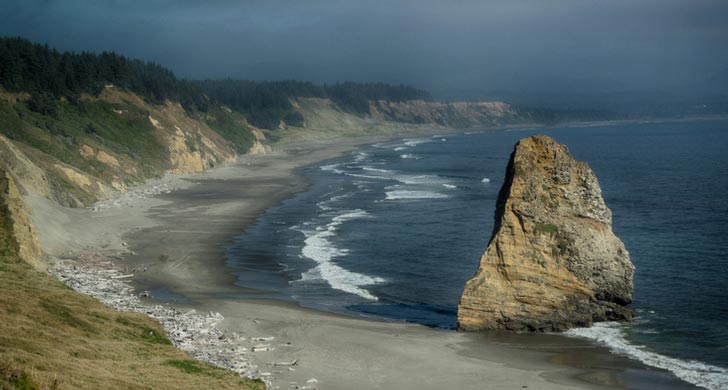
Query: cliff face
{"points": [[553, 261], [458, 114], [323, 113], [18, 234], [105, 143]]}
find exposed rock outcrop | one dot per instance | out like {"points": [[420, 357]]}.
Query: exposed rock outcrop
{"points": [[17, 230], [456, 114], [553, 261], [321, 113]]}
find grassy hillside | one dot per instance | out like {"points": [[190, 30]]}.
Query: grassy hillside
{"points": [[54, 338], [77, 126], [104, 143]]}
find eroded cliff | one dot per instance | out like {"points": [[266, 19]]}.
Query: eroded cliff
{"points": [[553, 261], [105, 143], [16, 230]]}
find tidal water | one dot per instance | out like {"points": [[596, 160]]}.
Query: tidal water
{"points": [[393, 231]]}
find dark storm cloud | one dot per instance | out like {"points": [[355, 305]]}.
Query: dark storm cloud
{"points": [[465, 45]]}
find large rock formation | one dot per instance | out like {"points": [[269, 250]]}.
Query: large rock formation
{"points": [[553, 261]]}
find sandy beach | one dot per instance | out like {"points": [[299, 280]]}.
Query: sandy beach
{"points": [[174, 242]]}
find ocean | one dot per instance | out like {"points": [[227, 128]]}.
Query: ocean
{"points": [[393, 230]]}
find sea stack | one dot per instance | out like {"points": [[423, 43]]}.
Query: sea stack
{"points": [[552, 262]]}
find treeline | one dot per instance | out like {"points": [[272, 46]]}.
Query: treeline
{"points": [[554, 116], [266, 103], [49, 75]]}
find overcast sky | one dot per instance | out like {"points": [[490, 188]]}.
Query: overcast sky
{"points": [[438, 45]]}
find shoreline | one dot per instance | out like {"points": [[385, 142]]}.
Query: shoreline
{"points": [[176, 240]]}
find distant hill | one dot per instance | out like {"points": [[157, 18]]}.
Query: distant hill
{"points": [[267, 103]]}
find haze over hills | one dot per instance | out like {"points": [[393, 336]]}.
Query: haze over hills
{"points": [[77, 127], [80, 127], [706, 97], [562, 53], [113, 115]]}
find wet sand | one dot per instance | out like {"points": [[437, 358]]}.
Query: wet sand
{"points": [[174, 244]]}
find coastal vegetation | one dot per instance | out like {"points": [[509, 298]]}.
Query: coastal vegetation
{"points": [[49, 75], [54, 338], [267, 103]]}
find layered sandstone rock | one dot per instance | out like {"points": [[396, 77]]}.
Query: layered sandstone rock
{"points": [[17, 229], [553, 261]]}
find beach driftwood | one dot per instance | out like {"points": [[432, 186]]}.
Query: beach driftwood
{"points": [[197, 334]]}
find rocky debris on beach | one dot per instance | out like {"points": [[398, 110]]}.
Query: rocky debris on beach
{"points": [[127, 198], [552, 262], [197, 334]]}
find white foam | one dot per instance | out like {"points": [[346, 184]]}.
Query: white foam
{"points": [[695, 372], [386, 174], [361, 156], [451, 186], [348, 216], [370, 169], [324, 205], [485, 180], [409, 156], [319, 248], [412, 142], [399, 148], [413, 195], [332, 168]]}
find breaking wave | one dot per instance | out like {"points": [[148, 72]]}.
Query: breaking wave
{"points": [[695, 372], [319, 248], [412, 142], [412, 195]]}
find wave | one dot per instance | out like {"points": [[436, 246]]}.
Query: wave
{"points": [[361, 156], [386, 174], [400, 148], [380, 170], [332, 168], [412, 142], [409, 156], [324, 205], [695, 372], [413, 195], [485, 180], [319, 248], [451, 186]]}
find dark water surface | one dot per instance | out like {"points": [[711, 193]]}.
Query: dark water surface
{"points": [[394, 230]]}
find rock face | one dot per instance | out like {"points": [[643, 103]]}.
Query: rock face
{"points": [[553, 261], [15, 226]]}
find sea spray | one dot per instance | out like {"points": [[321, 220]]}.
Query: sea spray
{"points": [[612, 335]]}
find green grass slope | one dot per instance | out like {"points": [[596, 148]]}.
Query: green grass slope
{"points": [[54, 338]]}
